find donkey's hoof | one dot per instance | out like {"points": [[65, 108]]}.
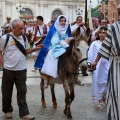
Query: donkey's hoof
{"points": [[65, 112], [54, 105], [43, 104], [69, 117]]}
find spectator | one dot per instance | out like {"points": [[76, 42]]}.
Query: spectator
{"points": [[14, 70]]}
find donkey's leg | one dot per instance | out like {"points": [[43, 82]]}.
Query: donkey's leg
{"points": [[72, 94], [52, 86], [67, 100], [42, 93], [71, 98]]}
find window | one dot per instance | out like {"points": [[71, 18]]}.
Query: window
{"points": [[56, 12]]}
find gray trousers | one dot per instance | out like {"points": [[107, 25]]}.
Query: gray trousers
{"points": [[18, 78]]}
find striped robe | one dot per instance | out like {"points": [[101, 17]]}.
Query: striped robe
{"points": [[110, 48]]}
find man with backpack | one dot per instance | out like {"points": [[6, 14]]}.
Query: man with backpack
{"points": [[13, 50]]}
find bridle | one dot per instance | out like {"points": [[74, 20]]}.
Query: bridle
{"points": [[82, 60], [78, 62]]}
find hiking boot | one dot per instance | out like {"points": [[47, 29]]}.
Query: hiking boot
{"points": [[8, 115], [27, 117]]}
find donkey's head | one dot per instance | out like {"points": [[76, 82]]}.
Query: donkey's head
{"points": [[83, 47]]}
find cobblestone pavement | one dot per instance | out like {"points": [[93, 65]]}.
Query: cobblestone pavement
{"points": [[81, 108]]}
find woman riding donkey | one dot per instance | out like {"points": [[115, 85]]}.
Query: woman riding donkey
{"points": [[55, 43]]}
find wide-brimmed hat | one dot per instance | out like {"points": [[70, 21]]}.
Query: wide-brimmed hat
{"points": [[8, 17], [118, 7]]}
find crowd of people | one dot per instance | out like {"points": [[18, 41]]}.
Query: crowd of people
{"points": [[25, 38]]}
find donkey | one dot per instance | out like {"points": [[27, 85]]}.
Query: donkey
{"points": [[83, 46], [68, 65]]}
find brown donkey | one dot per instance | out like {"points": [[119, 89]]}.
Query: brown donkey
{"points": [[67, 71]]}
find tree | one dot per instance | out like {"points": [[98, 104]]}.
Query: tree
{"points": [[95, 12]]}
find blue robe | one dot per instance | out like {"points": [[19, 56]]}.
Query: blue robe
{"points": [[47, 42]]}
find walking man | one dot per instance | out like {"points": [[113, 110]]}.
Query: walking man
{"points": [[13, 60]]}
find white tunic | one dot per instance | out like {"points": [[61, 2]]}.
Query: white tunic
{"points": [[50, 66], [100, 75], [13, 57], [39, 33], [74, 27]]}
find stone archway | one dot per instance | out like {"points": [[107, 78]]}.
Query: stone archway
{"points": [[27, 15], [56, 13]]}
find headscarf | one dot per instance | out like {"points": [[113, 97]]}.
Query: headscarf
{"points": [[61, 30], [43, 52]]}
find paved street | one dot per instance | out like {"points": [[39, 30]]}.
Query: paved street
{"points": [[81, 108]]}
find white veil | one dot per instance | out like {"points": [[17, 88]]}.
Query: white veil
{"points": [[61, 30]]}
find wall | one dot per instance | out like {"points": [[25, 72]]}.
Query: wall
{"points": [[41, 7]]}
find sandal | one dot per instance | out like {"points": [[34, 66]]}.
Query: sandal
{"points": [[100, 106]]}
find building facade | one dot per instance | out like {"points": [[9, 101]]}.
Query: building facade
{"points": [[29, 9], [108, 9]]}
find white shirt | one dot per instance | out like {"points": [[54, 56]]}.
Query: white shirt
{"points": [[7, 24], [0, 31], [13, 57], [93, 37], [75, 26], [40, 31], [29, 29]]}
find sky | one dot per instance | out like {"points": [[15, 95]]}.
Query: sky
{"points": [[94, 3]]}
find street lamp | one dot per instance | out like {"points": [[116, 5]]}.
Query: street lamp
{"points": [[79, 11], [20, 10], [99, 2], [90, 2], [85, 11]]}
